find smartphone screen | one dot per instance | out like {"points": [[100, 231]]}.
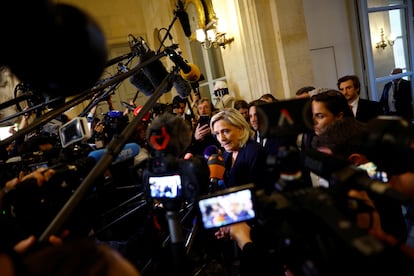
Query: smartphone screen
{"points": [[204, 120], [227, 208]]}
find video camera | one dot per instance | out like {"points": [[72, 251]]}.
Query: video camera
{"points": [[172, 180], [303, 225]]}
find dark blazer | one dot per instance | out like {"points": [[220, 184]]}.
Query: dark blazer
{"points": [[249, 167], [403, 99], [367, 110]]}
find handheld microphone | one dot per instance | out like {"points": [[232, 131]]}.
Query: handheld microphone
{"points": [[189, 71], [183, 17], [216, 166], [129, 151], [209, 151]]}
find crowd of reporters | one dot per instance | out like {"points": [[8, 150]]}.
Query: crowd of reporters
{"points": [[245, 161], [309, 221]]}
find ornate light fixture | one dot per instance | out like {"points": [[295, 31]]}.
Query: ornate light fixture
{"points": [[211, 37], [382, 43]]}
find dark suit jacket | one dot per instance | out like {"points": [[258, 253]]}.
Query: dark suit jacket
{"points": [[368, 110], [403, 99], [249, 167]]}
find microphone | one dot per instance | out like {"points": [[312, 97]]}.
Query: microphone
{"points": [[182, 87], [216, 166], [136, 110], [129, 106], [210, 150], [142, 83], [151, 75], [183, 17], [129, 151], [189, 71]]}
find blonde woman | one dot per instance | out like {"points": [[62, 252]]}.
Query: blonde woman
{"points": [[244, 158]]}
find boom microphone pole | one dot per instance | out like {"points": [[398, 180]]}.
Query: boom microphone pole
{"points": [[77, 100], [112, 150], [29, 109]]}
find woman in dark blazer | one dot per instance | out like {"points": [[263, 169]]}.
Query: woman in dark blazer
{"points": [[245, 159]]}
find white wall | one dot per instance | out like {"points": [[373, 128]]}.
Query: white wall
{"points": [[330, 40]]}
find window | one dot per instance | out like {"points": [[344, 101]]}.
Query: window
{"points": [[391, 18], [211, 66]]}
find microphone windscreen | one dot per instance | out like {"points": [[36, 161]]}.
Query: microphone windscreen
{"points": [[146, 117], [216, 165], [182, 87], [129, 151], [209, 151], [154, 71], [193, 75], [142, 83]]}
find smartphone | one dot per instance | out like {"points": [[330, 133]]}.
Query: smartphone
{"points": [[204, 120], [165, 187], [227, 207]]}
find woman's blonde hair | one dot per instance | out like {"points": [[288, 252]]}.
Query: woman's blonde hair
{"points": [[234, 117]]}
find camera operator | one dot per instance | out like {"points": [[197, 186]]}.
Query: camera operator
{"points": [[346, 139]]}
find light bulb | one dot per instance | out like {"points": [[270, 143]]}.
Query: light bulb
{"points": [[200, 35], [211, 35]]}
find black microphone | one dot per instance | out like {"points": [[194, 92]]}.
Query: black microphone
{"points": [[182, 86], [151, 75], [183, 17], [189, 71], [129, 106], [142, 83]]}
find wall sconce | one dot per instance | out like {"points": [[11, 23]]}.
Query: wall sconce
{"points": [[211, 37], [383, 43]]}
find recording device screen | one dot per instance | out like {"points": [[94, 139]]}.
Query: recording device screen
{"points": [[227, 207], [74, 131], [373, 173], [167, 187]]}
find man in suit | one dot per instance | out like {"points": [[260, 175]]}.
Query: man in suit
{"points": [[178, 108], [396, 98], [363, 109]]}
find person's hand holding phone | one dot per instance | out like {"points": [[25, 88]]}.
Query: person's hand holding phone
{"points": [[203, 128]]}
